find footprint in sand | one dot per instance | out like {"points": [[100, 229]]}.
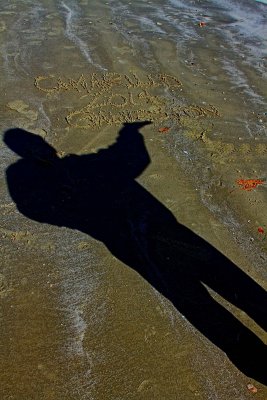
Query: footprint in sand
{"points": [[2, 26], [4, 288], [23, 108]]}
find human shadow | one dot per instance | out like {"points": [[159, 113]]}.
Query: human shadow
{"points": [[98, 194]]}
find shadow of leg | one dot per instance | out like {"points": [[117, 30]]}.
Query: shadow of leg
{"points": [[247, 352]]}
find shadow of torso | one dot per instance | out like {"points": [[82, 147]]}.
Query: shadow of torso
{"points": [[99, 195]]}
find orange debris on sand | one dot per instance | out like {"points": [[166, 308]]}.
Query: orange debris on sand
{"points": [[164, 129], [252, 388], [249, 184]]}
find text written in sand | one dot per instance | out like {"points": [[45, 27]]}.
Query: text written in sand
{"points": [[114, 98]]}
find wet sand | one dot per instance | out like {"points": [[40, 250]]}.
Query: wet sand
{"points": [[78, 322]]}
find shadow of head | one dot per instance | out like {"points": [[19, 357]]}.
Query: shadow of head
{"points": [[28, 145]]}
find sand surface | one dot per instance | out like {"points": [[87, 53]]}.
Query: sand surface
{"points": [[137, 271]]}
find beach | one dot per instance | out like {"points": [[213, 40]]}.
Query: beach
{"points": [[133, 214]]}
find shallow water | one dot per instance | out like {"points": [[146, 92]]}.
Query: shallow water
{"points": [[77, 321]]}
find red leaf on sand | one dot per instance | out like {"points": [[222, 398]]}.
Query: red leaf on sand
{"points": [[164, 129], [249, 184], [260, 229]]}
